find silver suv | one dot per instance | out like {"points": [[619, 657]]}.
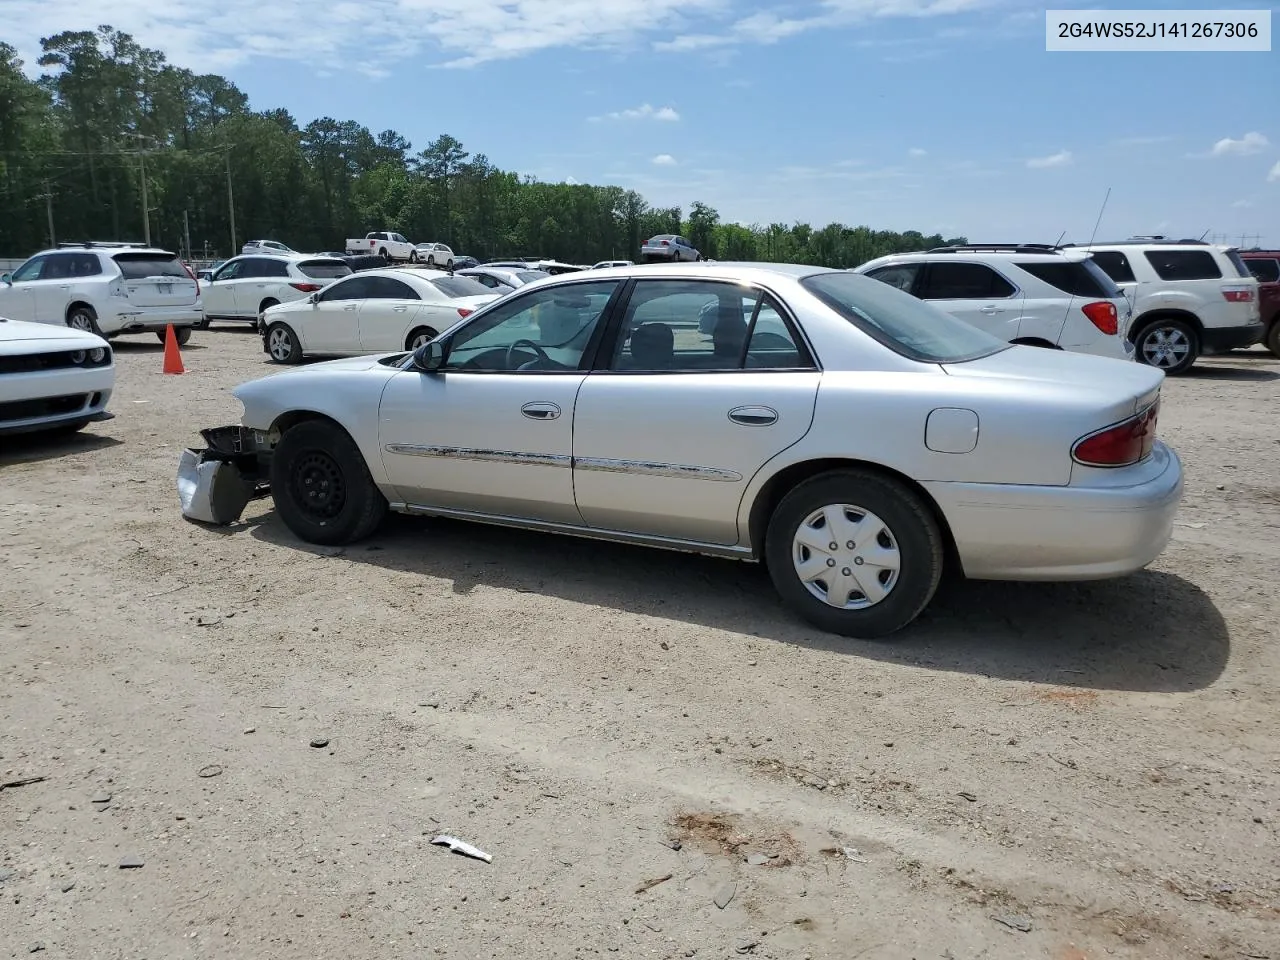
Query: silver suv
{"points": [[1190, 298], [104, 288]]}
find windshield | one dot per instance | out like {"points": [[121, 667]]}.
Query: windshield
{"points": [[138, 266], [902, 323], [460, 287]]}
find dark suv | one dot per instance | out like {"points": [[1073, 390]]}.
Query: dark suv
{"points": [[1265, 266]]}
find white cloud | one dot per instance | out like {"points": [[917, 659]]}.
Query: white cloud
{"points": [[646, 111], [1252, 142], [663, 160], [1059, 159], [767, 28], [1242, 205], [456, 33], [1274, 174], [571, 181], [916, 152]]}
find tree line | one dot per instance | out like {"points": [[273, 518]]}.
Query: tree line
{"points": [[109, 119]]}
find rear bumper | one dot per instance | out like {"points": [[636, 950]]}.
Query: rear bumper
{"points": [[147, 319], [1023, 532], [1222, 339]]}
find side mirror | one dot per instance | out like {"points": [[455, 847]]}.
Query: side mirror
{"points": [[430, 357], [6, 278], [314, 298]]}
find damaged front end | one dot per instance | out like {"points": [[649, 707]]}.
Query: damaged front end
{"points": [[216, 484]]}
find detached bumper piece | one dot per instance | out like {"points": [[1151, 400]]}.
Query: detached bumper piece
{"points": [[217, 483]]}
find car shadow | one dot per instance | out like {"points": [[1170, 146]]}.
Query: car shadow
{"points": [[35, 447], [1152, 631], [229, 327], [150, 346], [1217, 372]]}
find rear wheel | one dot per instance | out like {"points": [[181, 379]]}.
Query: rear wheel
{"points": [[855, 553], [321, 485], [283, 345], [180, 334], [386, 257], [420, 336], [1168, 344], [1272, 338], [431, 259], [449, 265], [83, 318], [413, 256]]}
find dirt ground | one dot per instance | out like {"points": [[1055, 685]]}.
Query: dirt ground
{"points": [[1060, 771]]}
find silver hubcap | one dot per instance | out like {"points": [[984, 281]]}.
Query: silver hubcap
{"points": [[420, 339], [279, 345], [1165, 347], [80, 322], [846, 556]]}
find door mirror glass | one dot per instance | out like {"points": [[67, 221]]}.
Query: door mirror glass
{"points": [[314, 298], [6, 278], [430, 357]]}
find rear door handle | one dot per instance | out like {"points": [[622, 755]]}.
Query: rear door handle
{"points": [[352, 306], [540, 411], [399, 309], [754, 416]]}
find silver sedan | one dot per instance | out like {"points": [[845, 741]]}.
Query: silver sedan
{"points": [[853, 438]]}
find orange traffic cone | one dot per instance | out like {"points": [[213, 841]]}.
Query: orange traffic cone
{"points": [[172, 355]]}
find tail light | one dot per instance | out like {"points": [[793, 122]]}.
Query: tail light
{"points": [[666, 243], [465, 311], [1238, 294], [192, 274], [1120, 445], [306, 287], [1102, 314]]}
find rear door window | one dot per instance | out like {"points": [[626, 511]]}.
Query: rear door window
{"points": [[388, 288], [1080, 278], [1266, 271], [139, 266], [964, 281], [324, 269], [1183, 264]]}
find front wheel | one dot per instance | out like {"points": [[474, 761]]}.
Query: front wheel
{"points": [[854, 553], [83, 318], [321, 485], [1272, 339], [449, 265], [431, 259], [283, 345], [413, 256], [1169, 345]]}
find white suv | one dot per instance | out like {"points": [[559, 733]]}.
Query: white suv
{"points": [[1189, 298], [104, 288], [243, 287], [1025, 294]]}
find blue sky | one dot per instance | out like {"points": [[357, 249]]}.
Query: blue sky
{"points": [[944, 115]]}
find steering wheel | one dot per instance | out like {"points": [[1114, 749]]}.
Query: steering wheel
{"points": [[542, 355]]}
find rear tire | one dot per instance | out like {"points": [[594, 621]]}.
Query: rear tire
{"points": [[420, 336], [386, 257], [83, 318], [1167, 344], [282, 344], [413, 256], [180, 334], [1272, 339], [885, 564], [431, 259], [321, 485]]}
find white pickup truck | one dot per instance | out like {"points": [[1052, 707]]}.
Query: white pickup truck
{"points": [[388, 246]]}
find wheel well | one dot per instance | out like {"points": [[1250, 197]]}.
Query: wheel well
{"points": [[1147, 319], [421, 328], [779, 485], [76, 305], [287, 421], [267, 302], [1035, 342]]}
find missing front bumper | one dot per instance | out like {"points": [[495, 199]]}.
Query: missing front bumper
{"points": [[216, 484]]}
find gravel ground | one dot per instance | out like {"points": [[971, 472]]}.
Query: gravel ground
{"points": [[1061, 771]]}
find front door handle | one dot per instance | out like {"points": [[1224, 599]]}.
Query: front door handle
{"points": [[540, 411], [754, 416], [990, 309], [400, 309], [352, 306]]}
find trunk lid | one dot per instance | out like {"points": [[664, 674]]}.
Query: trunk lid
{"points": [[156, 280], [1119, 386]]}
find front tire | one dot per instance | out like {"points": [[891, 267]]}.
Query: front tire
{"points": [[854, 553], [431, 259], [413, 256], [282, 344], [321, 485], [1272, 339], [449, 265], [1170, 345]]}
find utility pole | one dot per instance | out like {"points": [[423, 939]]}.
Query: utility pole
{"points": [[231, 202], [48, 209], [186, 232], [146, 209]]}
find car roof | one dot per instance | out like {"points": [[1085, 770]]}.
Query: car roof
{"points": [[107, 248], [722, 269], [1047, 256]]}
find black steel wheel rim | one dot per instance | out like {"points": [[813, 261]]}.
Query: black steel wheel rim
{"points": [[317, 485]]}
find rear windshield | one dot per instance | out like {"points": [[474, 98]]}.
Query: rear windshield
{"points": [[1080, 278], [324, 269], [1267, 271], [460, 287], [661, 237], [1238, 262], [528, 276], [902, 323], [138, 266]]}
